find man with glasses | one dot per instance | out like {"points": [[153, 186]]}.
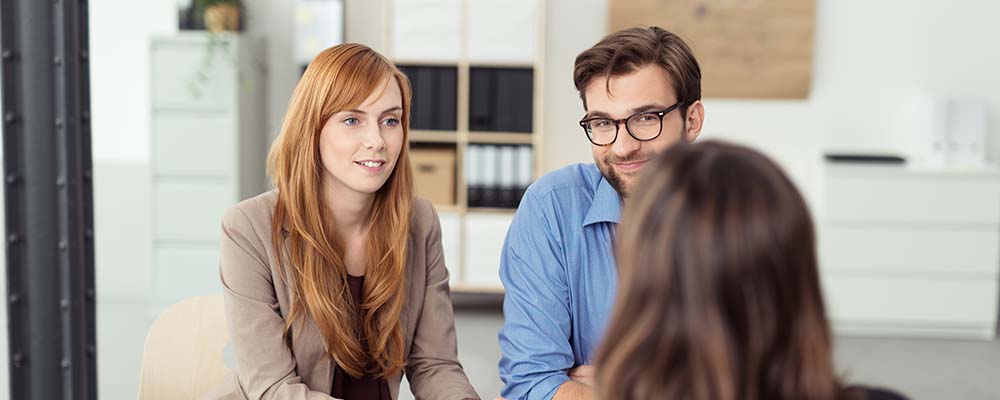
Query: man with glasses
{"points": [[641, 90]]}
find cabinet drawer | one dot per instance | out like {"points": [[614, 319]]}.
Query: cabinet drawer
{"points": [[194, 76], [190, 210], [864, 247], [911, 197], [193, 144], [899, 303]]}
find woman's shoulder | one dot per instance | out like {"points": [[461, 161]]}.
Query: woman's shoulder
{"points": [[252, 214], [423, 218], [874, 393]]}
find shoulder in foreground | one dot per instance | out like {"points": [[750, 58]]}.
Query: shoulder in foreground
{"points": [[872, 393]]}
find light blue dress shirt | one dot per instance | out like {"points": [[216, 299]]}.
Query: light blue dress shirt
{"points": [[559, 273]]}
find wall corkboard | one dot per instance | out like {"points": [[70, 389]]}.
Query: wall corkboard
{"points": [[746, 48]]}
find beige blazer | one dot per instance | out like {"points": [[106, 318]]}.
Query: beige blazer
{"points": [[257, 299]]}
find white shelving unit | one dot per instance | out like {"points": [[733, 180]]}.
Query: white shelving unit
{"points": [[468, 34]]}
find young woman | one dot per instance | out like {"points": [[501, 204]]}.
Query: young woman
{"points": [[719, 295], [334, 282]]}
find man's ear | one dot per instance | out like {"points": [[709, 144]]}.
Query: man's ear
{"points": [[694, 120]]}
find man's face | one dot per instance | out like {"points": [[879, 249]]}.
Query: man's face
{"points": [[647, 89]]}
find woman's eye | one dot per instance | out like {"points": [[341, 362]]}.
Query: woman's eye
{"points": [[390, 122], [352, 121]]}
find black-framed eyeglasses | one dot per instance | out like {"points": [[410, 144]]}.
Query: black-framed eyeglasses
{"points": [[644, 126]]}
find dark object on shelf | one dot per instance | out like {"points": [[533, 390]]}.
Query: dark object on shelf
{"points": [[494, 180], [490, 197], [472, 301], [855, 158], [500, 99], [188, 19], [435, 97]]}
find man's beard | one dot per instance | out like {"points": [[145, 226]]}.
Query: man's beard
{"points": [[614, 178]]}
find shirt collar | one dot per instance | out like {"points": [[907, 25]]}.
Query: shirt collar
{"points": [[607, 205]]}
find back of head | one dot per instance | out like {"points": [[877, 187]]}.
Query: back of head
{"points": [[719, 294]]}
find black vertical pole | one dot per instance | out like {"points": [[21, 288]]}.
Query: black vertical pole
{"points": [[49, 199]]}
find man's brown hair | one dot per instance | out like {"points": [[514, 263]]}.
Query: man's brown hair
{"points": [[630, 49]]}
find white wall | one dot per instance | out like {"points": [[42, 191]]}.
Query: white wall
{"points": [[566, 35], [273, 21], [119, 74]]}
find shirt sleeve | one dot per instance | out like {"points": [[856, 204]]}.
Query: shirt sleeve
{"points": [[535, 338]]}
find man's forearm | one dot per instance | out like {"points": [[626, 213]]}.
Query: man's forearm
{"points": [[571, 390]]}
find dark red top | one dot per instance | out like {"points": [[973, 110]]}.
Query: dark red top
{"points": [[346, 386]]}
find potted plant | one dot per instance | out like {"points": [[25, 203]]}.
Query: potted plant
{"points": [[221, 15]]}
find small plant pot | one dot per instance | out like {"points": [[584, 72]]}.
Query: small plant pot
{"points": [[222, 18]]}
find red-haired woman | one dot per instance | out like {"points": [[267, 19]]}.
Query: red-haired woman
{"points": [[335, 282]]}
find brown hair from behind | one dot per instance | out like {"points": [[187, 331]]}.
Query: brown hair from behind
{"points": [[341, 78], [628, 50], [719, 295]]}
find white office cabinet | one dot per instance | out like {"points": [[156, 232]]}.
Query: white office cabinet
{"points": [[911, 253], [208, 152]]}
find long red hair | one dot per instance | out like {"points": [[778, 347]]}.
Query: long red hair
{"points": [[341, 78]]}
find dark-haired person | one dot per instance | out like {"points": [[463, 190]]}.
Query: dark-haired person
{"points": [[718, 293], [641, 90]]}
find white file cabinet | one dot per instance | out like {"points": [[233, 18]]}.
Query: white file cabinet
{"points": [[207, 149], [911, 253]]}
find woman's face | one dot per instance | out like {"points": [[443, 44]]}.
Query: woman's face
{"points": [[359, 147]]}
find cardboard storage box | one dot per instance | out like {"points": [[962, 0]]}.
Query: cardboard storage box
{"points": [[434, 175]]}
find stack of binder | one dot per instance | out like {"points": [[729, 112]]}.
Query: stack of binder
{"points": [[435, 92], [500, 99], [497, 175]]}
